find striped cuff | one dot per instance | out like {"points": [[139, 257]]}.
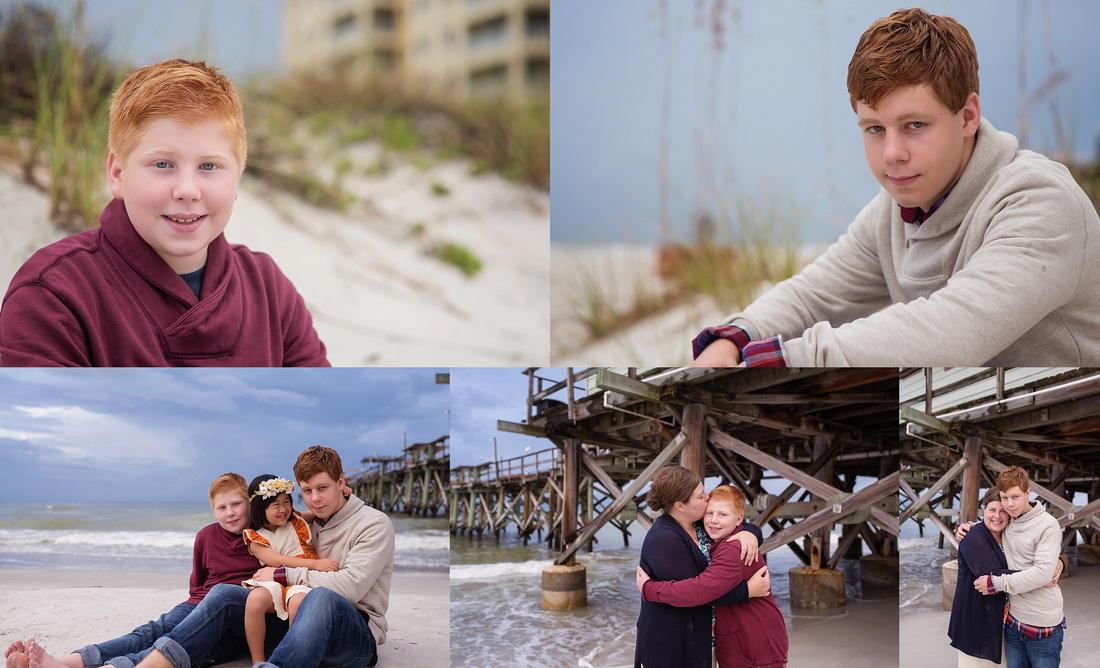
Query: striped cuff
{"points": [[767, 352], [280, 575], [709, 335], [989, 588]]}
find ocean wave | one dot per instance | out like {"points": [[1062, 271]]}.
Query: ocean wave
{"points": [[496, 570], [422, 540], [97, 542]]}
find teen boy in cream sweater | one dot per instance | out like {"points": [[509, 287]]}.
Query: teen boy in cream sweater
{"points": [[975, 253], [1032, 542]]}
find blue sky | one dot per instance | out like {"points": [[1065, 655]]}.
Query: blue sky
{"points": [[241, 36], [112, 435], [771, 112]]}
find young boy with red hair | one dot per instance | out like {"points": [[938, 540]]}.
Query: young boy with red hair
{"points": [[974, 253], [157, 284], [219, 556], [746, 634]]}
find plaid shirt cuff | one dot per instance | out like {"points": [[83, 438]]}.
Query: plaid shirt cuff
{"points": [[989, 588], [709, 335], [766, 352], [280, 575]]}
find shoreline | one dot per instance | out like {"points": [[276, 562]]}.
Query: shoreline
{"points": [[67, 609]]}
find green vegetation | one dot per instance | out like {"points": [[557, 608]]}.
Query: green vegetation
{"points": [[459, 256], [55, 91], [440, 190]]}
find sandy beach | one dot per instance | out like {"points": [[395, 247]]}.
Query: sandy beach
{"points": [[924, 641], [64, 610], [368, 275]]}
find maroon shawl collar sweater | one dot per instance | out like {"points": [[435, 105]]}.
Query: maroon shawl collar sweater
{"points": [[105, 298]]}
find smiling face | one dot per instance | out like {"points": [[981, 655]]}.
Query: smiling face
{"points": [[178, 184], [231, 511], [278, 513], [721, 519], [915, 146], [995, 516], [322, 495], [1014, 501]]}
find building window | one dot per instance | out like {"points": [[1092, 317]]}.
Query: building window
{"points": [[489, 81], [487, 34], [538, 74], [538, 24], [385, 60], [384, 20], [344, 28]]}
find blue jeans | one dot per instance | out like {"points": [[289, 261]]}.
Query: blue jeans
{"points": [[1024, 652], [327, 630], [130, 649]]}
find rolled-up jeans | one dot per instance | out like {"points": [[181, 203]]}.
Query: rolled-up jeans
{"points": [[328, 630], [128, 650]]}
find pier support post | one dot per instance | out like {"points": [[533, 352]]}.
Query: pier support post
{"points": [[564, 587], [817, 588], [1088, 555], [694, 455], [950, 579], [876, 570]]}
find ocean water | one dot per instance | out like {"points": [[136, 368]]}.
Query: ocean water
{"points": [[921, 568], [496, 618], [159, 537]]}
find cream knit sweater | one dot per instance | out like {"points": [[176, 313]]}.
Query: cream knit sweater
{"points": [[362, 540], [1032, 543], [1005, 272]]}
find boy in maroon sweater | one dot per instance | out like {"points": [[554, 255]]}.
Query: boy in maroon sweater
{"points": [[747, 634], [157, 284], [219, 556]]}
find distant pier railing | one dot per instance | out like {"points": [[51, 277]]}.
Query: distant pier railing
{"points": [[413, 483]]}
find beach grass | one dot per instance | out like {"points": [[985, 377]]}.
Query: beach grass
{"points": [[55, 91], [753, 244]]}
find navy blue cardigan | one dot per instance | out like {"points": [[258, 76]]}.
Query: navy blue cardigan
{"points": [[671, 637], [977, 620]]}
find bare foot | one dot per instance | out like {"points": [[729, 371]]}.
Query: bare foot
{"points": [[39, 658], [15, 656]]}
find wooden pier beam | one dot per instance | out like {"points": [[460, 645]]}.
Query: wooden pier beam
{"points": [[694, 455], [971, 479]]}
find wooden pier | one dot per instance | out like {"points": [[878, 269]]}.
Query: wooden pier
{"points": [[817, 429], [412, 484], [962, 427]]}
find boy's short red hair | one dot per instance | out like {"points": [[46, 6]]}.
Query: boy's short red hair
{"points": [[732, 496], [318, 459], [1013, 476], [228, 482], [183, 91], [914, 48]]}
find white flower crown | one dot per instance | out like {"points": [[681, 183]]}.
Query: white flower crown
{"points": [[273, 487]]}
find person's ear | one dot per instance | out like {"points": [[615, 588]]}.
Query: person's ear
{"points": [[971, 115], [114, 174]]}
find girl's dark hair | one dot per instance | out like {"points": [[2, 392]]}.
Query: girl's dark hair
{"points": [[257, 509], [672, 484]]}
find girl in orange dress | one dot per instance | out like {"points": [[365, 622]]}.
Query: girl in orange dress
{"points": [[280, 537]]}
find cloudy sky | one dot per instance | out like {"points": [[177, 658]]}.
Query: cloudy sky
{"points": [[480, 397], [72, 435]]}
